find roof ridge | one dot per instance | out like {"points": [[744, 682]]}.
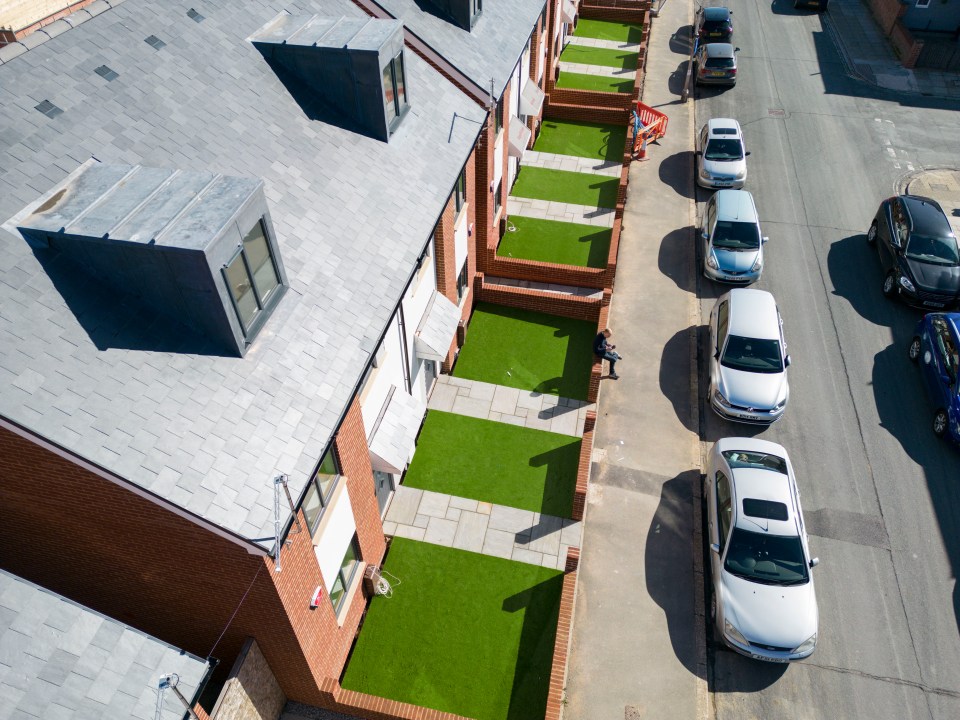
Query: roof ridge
{"points": [[57, 27]]}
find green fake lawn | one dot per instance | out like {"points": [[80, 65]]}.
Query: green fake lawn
{"points": [[621, 59], [528, 350], [464, 633], [582, 139], [495, 462], [556, 242], [609, 30], [597, 83], [565, 186]]}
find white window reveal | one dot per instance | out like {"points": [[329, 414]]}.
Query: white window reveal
{"points": [[338, 530]]}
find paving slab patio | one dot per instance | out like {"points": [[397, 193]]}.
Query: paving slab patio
{"points": [[572, 163], [598, 70], [498, 530], [598, 43], [564, 212], [508, 405]]}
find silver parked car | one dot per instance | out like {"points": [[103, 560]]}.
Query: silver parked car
{"points": [[732, 242], [748, 362], [762, 603], [721, 155], [716, 63]]}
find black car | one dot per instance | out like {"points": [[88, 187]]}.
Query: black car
{"points": [[716, 25], [918, 250]]}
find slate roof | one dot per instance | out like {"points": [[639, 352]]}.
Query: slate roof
{"points": [[492, 47], [113, 381], [62, 660]]}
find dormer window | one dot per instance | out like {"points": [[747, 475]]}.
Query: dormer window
{"points": [[252, 278], [394, 90], [476, 7]]}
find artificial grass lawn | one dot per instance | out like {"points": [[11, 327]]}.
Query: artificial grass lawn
{"points": [[556, 242], [597, 83], [528, 350], [582, 139], [622, 59], [495, 462], [609, 30], [565, 186], [464, 633]]}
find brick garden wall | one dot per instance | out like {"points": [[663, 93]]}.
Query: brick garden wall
{"points": [[583, 466], [887, 13], [561, 645]]}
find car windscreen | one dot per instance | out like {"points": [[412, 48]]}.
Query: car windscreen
{"points": [[752, 355], [756, 460], [723, 149], [735, 236], [720, 63], [766, 559], [933, 250]]}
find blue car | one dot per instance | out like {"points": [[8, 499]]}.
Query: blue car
{"points": [[936, 348]]}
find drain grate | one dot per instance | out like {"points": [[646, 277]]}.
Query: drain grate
{"points": [[776, 112]]}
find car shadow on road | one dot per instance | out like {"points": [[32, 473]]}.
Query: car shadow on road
{"points": [[680, 41], [676, 373], [857, 276], [674, 257], [667, 562], [677, 78], [677, 172]]}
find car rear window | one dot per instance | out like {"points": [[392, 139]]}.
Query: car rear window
{"points": [[720, 63]]}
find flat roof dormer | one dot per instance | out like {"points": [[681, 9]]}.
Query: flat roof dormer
{"points": [[356, 66]]}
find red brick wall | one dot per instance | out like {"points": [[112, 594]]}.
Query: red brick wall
{"points": [[14, 34], [886, 12], [561, 645], [579, 308], [583, 468], [905, 45], [77, 533]]}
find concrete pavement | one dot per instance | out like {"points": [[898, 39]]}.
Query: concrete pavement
{"points": [[637, 647]]}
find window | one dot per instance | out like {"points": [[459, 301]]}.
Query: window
{"points": [[320, 490], [498, 118], [476, 7], [722, 313], [497, 198], [460, 191], [923, 3], [351, 561], [724, 508], [252, 277], [394, 89], [462, 282]]}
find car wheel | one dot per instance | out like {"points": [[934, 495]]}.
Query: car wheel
{"points": [[890, 284], [872, 233], [940, 422], [914, 351]]}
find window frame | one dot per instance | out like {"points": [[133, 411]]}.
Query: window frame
{"points": [[264, 306], [460, 193], [463, 281], [345, 581], [313, 486], [724, 510], [498, 118], [498, 198], [398, 87]]}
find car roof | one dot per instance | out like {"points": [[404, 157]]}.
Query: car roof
{"points": [[736, 206], [762, 484], [719, 50], [927, 216], [716, 13], [753, 314], [723, 126]]}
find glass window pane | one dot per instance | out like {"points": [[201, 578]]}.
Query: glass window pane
{"points": [[401, 81], [388, 93], [336, 593], [349, 562], [312, 506], [327, 474], [242, 290], [257, 250]]}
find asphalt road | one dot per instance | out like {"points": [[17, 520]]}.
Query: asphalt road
{"points": [[880, 494]]}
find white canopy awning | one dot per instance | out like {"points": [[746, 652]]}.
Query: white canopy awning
{"points": [[437, 328], [518, 138], [568, 11], [531, 98], [395, 432]]}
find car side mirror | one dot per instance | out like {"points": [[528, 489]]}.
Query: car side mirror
{"points": [[715, 547], [746, 153], [716, 355], [736, 49], [786, 361], [814, 562], [764, 239]]}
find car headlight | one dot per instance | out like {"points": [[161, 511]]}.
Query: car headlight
{"points": [[718, 396], [758, 264], [807, 645], [704, 174], [712, 261], [779, 405], [906, 284], [741, 175], [731, 632]]}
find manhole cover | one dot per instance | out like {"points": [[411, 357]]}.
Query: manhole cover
{"points": [[776, 112], [632, 712]]}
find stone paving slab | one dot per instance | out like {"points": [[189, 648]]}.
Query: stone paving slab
{"points": [[598, 43], [497, 530], [563, 212], [572, 163], [487, 401], [598, 70]]}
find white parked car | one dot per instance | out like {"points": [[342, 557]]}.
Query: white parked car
{"points": [[762, 603], [748, 361], [721, 155]]}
